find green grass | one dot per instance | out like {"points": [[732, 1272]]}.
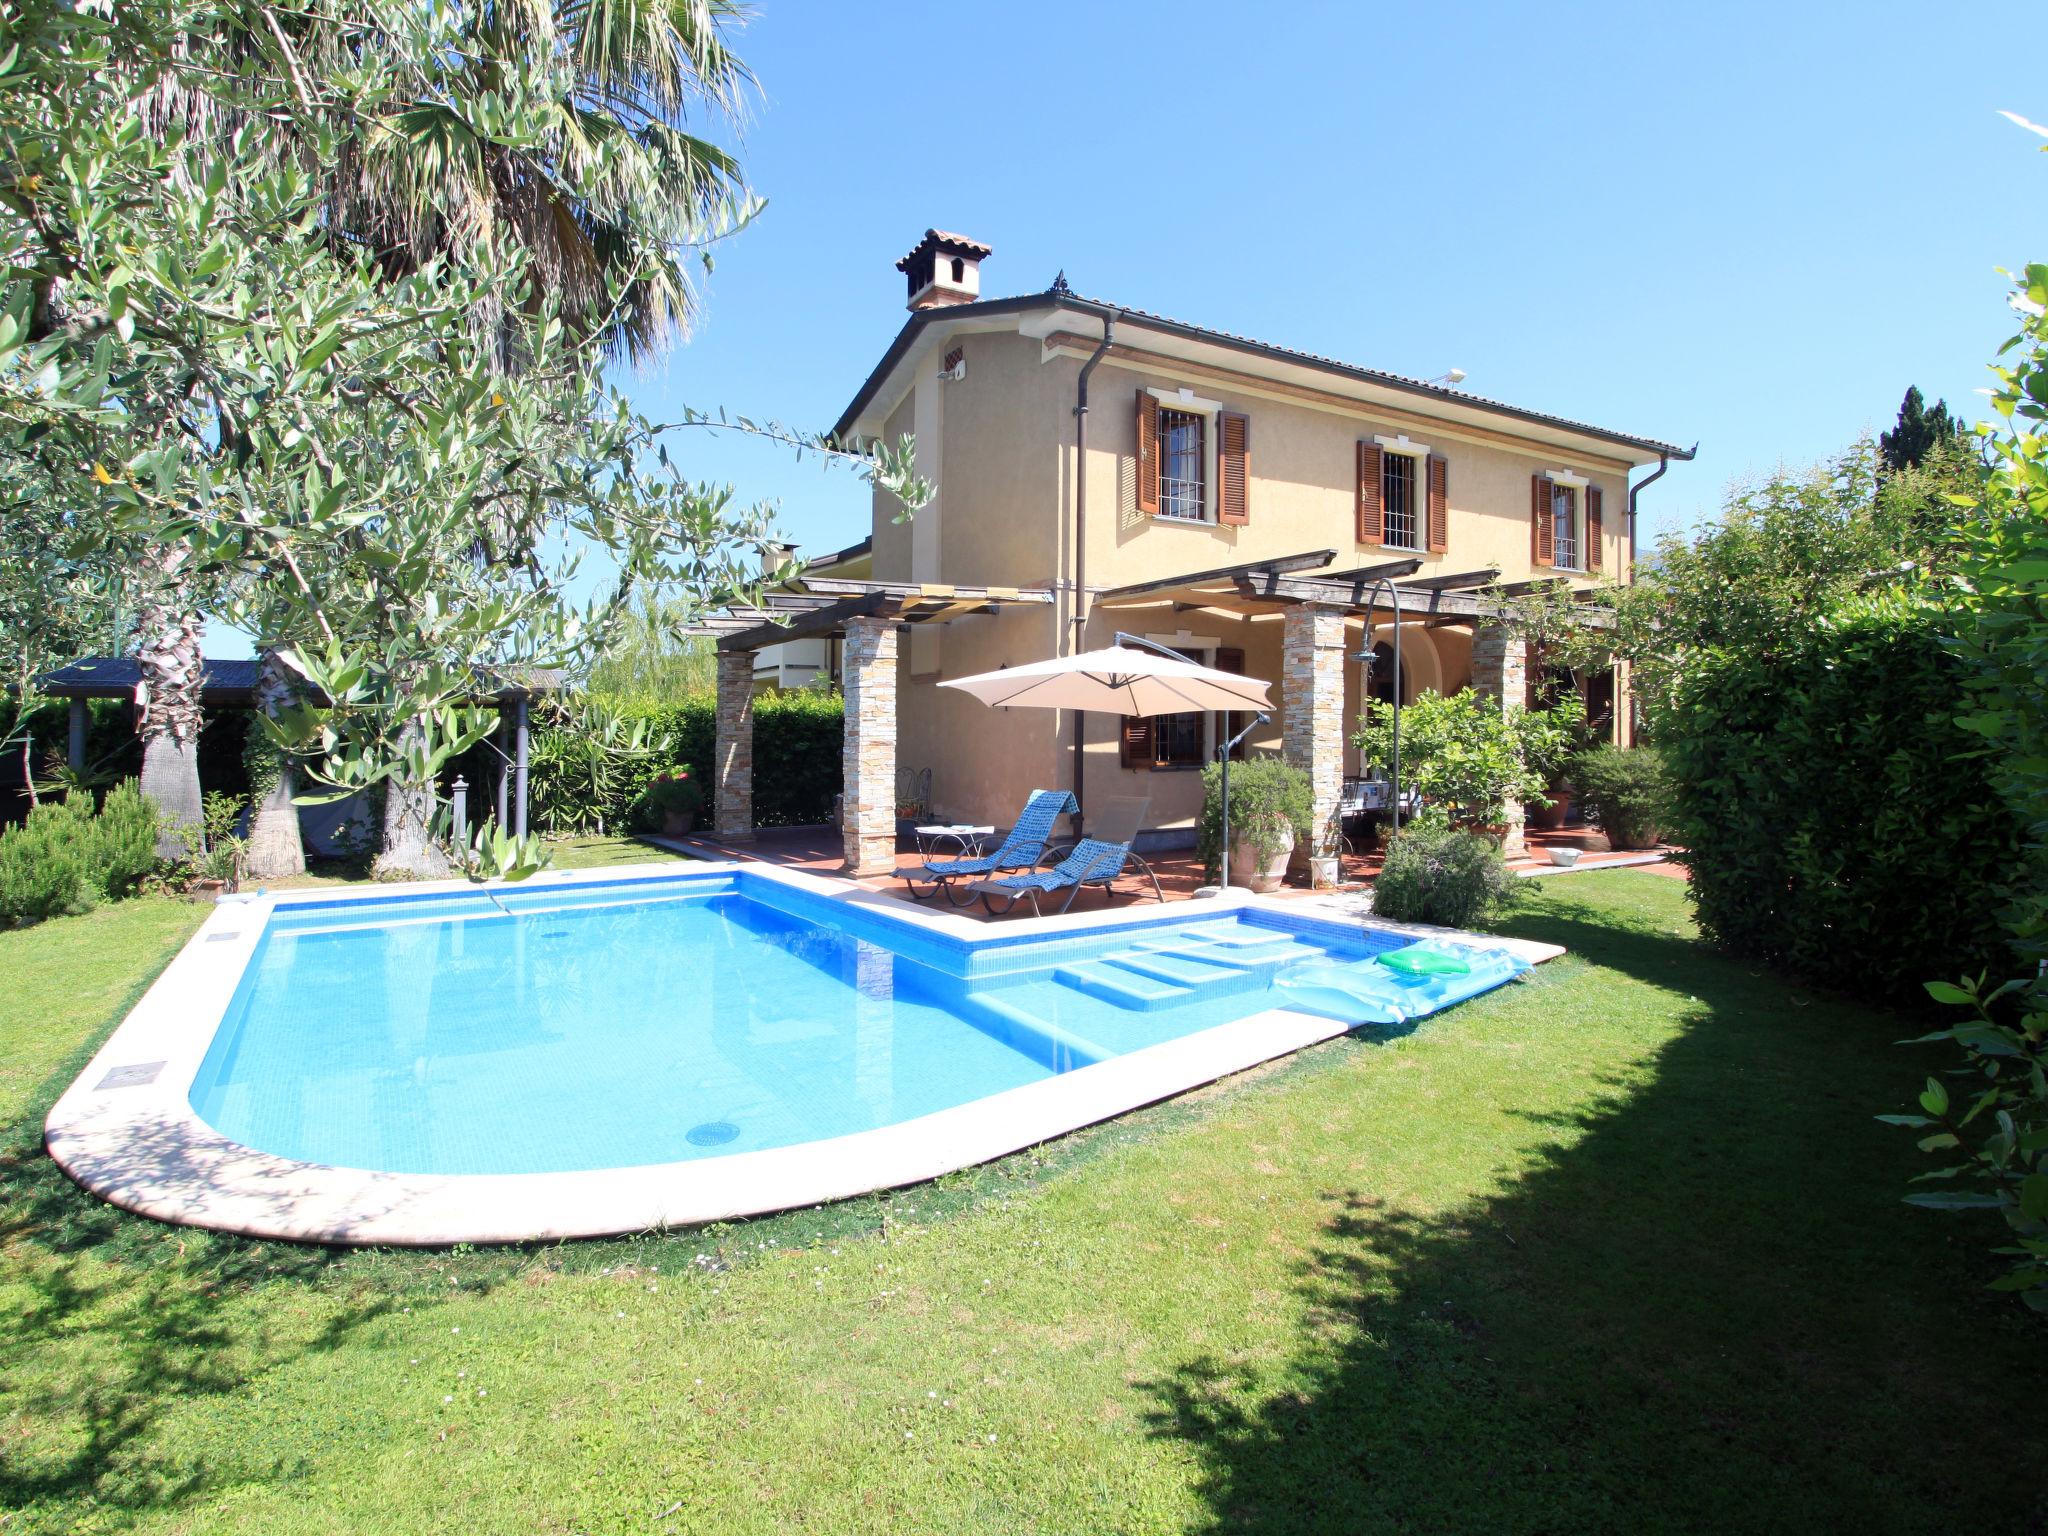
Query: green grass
{"points": [[1616, 1248]]}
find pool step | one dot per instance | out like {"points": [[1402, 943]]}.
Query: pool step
{"points": [[1060, 1050], [1117, 984], [1162, 970]]}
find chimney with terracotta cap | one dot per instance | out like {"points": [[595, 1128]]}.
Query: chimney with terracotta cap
{"points": [[943, 269]]}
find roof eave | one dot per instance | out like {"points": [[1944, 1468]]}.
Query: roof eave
{"points": [[907, 338]]}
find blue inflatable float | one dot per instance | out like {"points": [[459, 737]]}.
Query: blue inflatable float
{"points": [[1399, 985]]}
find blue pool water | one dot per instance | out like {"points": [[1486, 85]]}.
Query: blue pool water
{"points": [[614, 1024]]}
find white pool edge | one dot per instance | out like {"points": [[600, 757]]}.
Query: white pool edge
{"points": [[143, 1148]]}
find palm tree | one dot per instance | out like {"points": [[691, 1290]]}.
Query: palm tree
{"points": [[168, 635], [608, 205]]}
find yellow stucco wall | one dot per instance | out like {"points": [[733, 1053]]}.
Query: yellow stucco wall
{"points": [[1005, 464]]}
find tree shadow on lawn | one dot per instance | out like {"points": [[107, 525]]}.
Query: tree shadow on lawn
{"points": [[1700, 1304], [115, 1320]]}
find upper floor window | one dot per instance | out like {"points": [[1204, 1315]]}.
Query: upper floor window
{"points": [[1404, 495], [1565, 522], [1397, 500], [1182, 456], [1194, 458], [1564, 526]]}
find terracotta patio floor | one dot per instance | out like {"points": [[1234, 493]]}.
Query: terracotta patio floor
{"points": [[817, 850]]}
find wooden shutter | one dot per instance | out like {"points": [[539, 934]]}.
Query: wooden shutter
{"points": [[1233, 467], [1542, 548], [1439, 503], [1372, 519], [1592, 557], [1134, 747], [1148, 452]]}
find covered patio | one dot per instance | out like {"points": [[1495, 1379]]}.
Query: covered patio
{"points": [[1325, 620], [1328, 623], [817, 850], [868, 617]]}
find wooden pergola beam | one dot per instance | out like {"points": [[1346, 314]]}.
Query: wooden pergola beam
{"points": [[1462, 581], [1360, 574], [1307, 560], [1524, 588], [818, 621], [847, 586]]}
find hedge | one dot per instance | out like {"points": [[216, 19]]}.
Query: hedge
{"points": [[575, 786], [1835, 818]]}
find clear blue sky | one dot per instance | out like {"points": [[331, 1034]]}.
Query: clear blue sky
{"points": [[1752, 226]]}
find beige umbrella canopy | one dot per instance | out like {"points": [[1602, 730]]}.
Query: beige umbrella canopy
{"points": [[1120, 680], [1123, 680]]}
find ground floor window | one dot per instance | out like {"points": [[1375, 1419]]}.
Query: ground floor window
{"points": [[1184, 740]]}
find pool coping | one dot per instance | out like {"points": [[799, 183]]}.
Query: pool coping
{"points": [[125, 1129]]}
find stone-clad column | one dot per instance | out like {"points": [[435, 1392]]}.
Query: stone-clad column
{"points": [[1500, 671], [1312, 712], [733, 773], [867, 821]]}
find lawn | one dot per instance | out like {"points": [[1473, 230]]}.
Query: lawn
{"points": [[1618, 1248]]}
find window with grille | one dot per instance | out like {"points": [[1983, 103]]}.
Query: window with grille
{"points": [[1177, 741], [1180, 464], [1397, 501], [1564, 526]]}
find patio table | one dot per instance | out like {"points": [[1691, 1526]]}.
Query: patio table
{"points": [[960, 840]]}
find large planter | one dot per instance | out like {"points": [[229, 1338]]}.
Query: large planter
{"points": [[677, 823], [1247, 871], [1549, 818]]}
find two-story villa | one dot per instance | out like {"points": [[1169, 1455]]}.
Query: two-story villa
{"points": [[1100, 469]]}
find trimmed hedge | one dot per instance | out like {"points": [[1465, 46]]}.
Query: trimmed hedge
{"points": [[798, 739], [1835, 818]]}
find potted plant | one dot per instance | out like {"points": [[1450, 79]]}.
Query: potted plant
{"points": [[214, 856], [1627, 793], [1553, 738], [1270, 806], [1459, 751], [669, 803]]}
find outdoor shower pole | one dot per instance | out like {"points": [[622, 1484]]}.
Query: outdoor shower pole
{"points": [[1393, 596]]}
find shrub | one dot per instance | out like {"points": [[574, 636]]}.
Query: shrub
{"points": [[1626, 793], [125, 832], [1268, 796], [798, 742], [1459, 751], [48, 864], [1435, 873], [672, 793], [1992, 1136], [1837, 821]]}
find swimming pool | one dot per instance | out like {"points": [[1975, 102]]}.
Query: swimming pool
{"points": [[604, 1052]]}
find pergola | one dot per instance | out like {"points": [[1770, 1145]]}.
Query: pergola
{"points": [[867, 616], [232, 685], [1315, 605]]}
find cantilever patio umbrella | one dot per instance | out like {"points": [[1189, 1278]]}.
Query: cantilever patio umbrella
{"points": [[1132, 677]]}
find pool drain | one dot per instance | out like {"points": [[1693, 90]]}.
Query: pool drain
{"points": [[712, 1133]]}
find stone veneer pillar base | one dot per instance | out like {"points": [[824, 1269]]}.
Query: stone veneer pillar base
{"points": [[1312, 713], [867, 821], [1500, 671], [732, 789]]}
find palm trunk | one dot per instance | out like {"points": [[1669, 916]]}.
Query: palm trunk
{"points": [[168, 635], [409, 852], [275, 848]]}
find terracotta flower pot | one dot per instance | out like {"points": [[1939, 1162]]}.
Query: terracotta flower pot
{"points": [[1247, 871], [1550, 817], [677, 823]]}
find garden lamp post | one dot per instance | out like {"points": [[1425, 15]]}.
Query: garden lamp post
{"points": [[1394, 597]]}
